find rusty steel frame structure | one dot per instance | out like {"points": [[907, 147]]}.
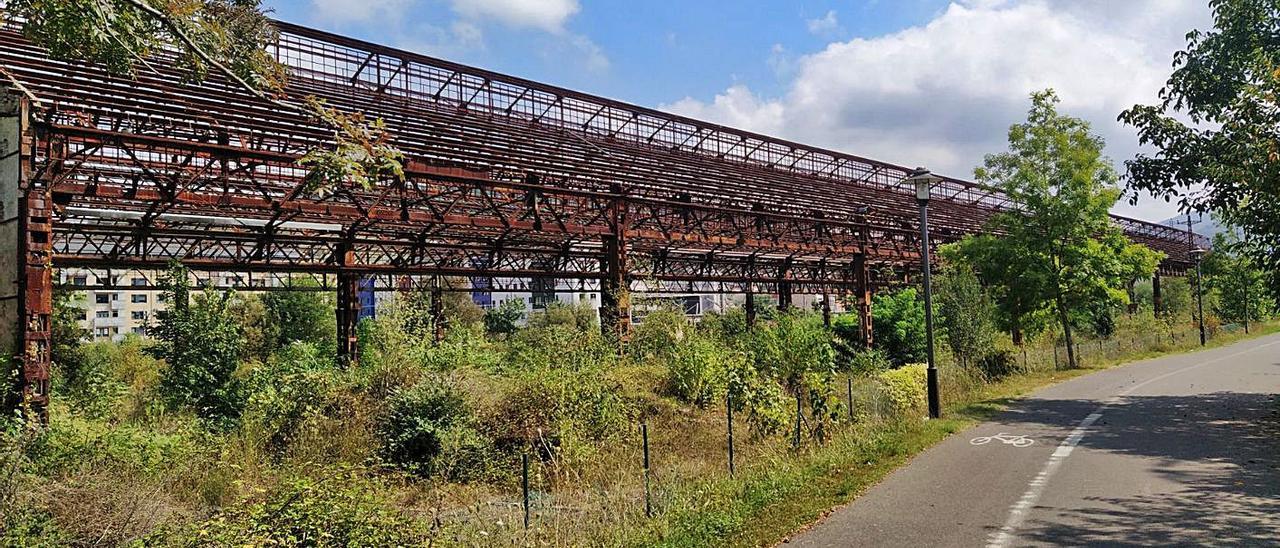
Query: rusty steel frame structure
{"points": [[508, 182]]}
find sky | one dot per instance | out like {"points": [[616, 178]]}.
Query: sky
{"points": [[931, 83]]}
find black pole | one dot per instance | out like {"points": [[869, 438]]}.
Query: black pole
{"points": [[848, 383], [797, 439], [524, 485], [1246, 302], [644, 436], [728, 400], [1200, 299], [935, 405]]}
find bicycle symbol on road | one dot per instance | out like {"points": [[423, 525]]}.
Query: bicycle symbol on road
{"points": [[1007, 439]]}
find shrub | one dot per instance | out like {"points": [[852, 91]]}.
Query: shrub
{"points": [[792, 347], [342, 508], [72, 444], [904, 388], [659, 334], [504, 318], [299, 316], [997, 364], [899, 325], [579, 316], [698, 370], [967, 314], [559, 410], [429, 429], [868, 362], [295, 384], [201, 345]]}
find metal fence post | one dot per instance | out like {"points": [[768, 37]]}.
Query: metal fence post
{"points": [[644, 438], [728, 400], [797, 440], [849, 387], [524, 485]]}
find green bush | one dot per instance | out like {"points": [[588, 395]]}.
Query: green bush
{"points": [[868, 362], [295, 384], [342, 508], [904, 388], [429, 429], [899, 325], [201, 344], [72, 444], [657, 337], [698, 370], [580, 316], [998, 364], [504, 318]]}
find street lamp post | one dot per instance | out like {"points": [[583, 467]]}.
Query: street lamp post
{"points": [[923, 180], [1197, 254]]}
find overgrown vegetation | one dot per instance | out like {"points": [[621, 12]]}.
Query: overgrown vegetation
{"points": [[189, 439]]}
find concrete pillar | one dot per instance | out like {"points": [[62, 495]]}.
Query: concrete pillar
{"points": [[26, 270]]}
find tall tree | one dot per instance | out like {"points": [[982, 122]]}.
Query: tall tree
{"points": [[1058, 247], [1216, 129], [1240, 287]]}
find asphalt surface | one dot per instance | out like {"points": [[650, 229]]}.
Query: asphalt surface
{"points": [[1181, 450]]}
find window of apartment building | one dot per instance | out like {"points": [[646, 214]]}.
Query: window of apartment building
{"points": [[104, 314], [102, 332], [139, 282], [162, 297], [101, 298], [80, 281], [138, 314], [138, 298], [140, 330]]}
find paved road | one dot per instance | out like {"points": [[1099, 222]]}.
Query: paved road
{"points": [[1181, 450]]}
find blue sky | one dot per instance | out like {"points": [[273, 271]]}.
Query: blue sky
{"points": [[919, 82]]}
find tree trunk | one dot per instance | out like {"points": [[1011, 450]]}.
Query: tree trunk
{"points": [[1066, 330]]}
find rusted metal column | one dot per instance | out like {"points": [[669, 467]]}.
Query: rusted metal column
{"points": [[348, 311], [26, 218], [1157, 299], [750, 307], [863, 296], [615, 298], [826, 309], [437, 310], [784, 287]]}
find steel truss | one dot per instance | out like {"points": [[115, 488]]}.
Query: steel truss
{"points": [[507, 181]]}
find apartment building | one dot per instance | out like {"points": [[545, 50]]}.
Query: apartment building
{"points": [[112, 308]]}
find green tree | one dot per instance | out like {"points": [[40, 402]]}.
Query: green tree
{"points": [[966, 314], [1240, 287], [1058, 242], [200, 341], [898, 327], [302, 315], [1216, 128], [504, 318]]}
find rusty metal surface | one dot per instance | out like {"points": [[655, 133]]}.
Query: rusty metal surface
{"points": [[508, 180]]}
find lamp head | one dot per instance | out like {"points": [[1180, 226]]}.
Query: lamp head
{"points": [[1198, 253], [923, 180]]}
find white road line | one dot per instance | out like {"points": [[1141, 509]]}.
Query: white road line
{"points": [[1018, 512]]}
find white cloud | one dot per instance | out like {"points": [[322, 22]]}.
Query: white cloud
{"points": [[546, 15], [359, 11], [825, 25], [944, 94]]}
